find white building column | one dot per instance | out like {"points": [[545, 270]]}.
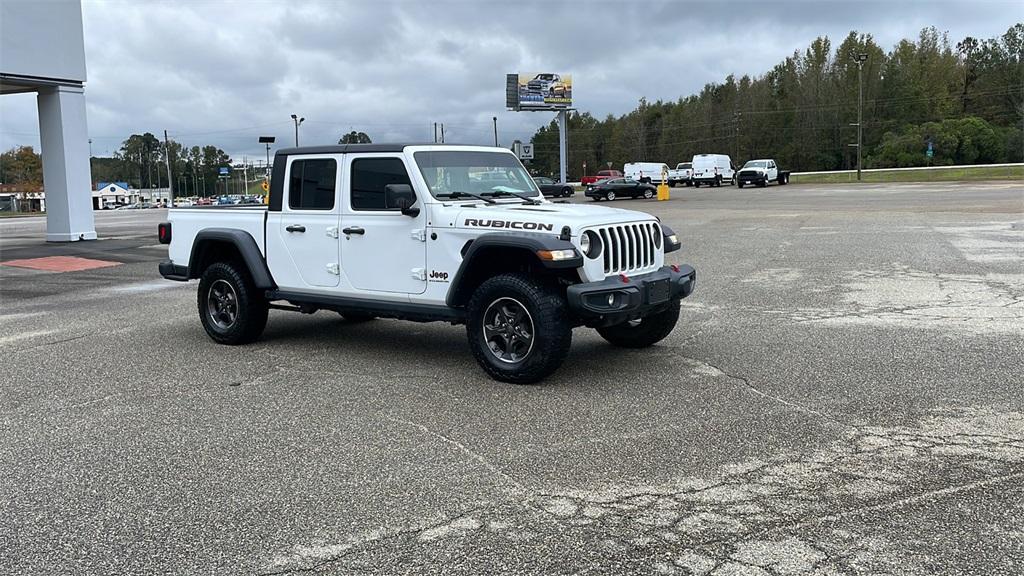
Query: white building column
{"points": [[67, 178]]}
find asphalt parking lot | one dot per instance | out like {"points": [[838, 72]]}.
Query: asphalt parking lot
{"points": [[843, 395]]}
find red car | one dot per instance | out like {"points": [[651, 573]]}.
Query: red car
{"points": [[601, 175]]}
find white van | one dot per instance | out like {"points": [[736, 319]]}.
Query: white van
{"points": [[646, 172], [713, 170]]}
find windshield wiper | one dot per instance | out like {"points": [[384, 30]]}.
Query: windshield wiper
{"points": [[463, 195], [525, 199]]}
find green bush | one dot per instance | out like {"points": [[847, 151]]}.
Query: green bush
{"points": [[967, 140]]}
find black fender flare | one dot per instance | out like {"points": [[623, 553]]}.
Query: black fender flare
{"points": [[246, 246], [526, 243]]}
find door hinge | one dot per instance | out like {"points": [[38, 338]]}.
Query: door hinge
{"points": [[419, 273], [332, 231], [333, 268], [419, 234]]}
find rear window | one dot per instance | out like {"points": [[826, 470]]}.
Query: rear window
{"points": [[312, 184]]}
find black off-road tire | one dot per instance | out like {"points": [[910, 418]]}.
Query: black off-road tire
{"points": [[549, 315], [250, 306], [648, 331]]}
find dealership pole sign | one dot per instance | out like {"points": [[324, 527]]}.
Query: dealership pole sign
{"points": [[538, 91]]}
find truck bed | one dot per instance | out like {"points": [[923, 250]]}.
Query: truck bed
{"points": [[190, 220]]}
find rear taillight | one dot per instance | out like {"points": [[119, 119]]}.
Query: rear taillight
{"points": [[163, 231]]}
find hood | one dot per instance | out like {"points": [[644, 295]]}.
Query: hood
{"points": [[544, 218]]}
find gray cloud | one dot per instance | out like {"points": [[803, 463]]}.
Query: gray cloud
{"points": [[227, 72]]}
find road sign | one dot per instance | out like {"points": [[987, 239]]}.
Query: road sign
{"points": [[526, 151], [930, 152], [224, 170]]}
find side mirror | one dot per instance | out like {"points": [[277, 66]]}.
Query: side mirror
{"points": [[400, 197]]}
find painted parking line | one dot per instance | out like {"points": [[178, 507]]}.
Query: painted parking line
{"points": [[60, 263]]}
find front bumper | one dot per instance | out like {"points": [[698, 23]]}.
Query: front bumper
{"points": [[751, 178], [630, 299]]}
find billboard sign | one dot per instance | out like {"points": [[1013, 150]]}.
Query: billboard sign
{"points": [[540, 91]]}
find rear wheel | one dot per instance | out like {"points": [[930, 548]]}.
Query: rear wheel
{"points": [[644, 332], [518, 328], [231, 308]]}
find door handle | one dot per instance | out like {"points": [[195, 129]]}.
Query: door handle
{"points": [[353, 230], [296, 228]]}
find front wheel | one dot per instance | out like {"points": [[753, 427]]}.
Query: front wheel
{"points": [[648, 194], [231, 308], [566, 192], [518, 328], [609, 195], [644, 332], [739, 184]]}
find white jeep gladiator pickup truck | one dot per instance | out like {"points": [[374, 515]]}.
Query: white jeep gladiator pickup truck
{"points": [[427, 233]]}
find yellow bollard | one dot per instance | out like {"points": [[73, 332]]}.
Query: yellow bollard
{"points": [[662, 191]]}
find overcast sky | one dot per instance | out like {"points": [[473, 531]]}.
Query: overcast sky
{"points": [[225, 73]]}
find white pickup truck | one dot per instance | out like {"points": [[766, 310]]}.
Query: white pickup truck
{"points": [[424, 233], [683, 174], [761, 172]]}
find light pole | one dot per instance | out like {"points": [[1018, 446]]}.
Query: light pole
{"points": [[297, 121], [268, 140], [495, 118], [860, 58]]}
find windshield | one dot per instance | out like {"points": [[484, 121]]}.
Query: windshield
{"points": [[756, 164], [474, 172]]}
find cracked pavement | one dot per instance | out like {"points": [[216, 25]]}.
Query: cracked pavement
{"points": [[843, 395]]}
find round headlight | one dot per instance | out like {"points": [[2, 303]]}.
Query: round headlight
{"points": [[590, 243]]}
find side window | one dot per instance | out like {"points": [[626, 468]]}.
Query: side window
{"points": [[311, 186], [370, 176]]}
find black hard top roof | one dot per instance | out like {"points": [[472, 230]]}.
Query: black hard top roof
{"points": [[354, 148]]}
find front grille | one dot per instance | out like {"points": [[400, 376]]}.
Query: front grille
{"points": [[629, 247], [750, 174]]}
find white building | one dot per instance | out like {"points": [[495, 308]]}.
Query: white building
{"points": [[42, 50], [112, 195]]}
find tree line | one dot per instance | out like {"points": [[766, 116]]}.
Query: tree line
{"points": [[967, 100], [141, 162]]}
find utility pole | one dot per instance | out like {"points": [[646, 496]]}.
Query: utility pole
{"points": [[495, 118], [268, 140], [860, 57], [435, 132], [736, 119], [297, 121], [562, 157], [442, 132], [167, 159]]}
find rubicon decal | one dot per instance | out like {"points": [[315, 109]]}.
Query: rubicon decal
{"points": [[510, 224]]}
